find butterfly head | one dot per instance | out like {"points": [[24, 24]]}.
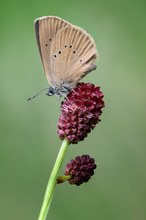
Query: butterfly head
{"points": [[51, 91], [59, 90]]}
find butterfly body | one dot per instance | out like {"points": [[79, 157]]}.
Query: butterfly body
{"points": [[59, 90], [67, 52]]}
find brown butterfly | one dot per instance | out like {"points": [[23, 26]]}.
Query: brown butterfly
{"points": [[67, 52]]}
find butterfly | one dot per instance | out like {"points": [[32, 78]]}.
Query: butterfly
{"points": [[67, 52]]}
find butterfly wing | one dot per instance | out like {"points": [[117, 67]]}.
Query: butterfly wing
{"points": [[46, 29], [73, 53]]}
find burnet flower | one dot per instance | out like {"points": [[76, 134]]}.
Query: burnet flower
{"points": [[80, 112]]}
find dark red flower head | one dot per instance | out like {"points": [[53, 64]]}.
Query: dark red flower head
{"points": [[81, 110], [80, 169]]}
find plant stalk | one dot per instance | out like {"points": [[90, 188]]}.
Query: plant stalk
{"points": [[52, 181]]}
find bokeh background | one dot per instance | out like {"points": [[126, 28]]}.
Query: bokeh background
{"points": [[28, 140]]}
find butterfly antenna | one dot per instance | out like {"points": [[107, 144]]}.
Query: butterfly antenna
{"points": [[32, 97]]}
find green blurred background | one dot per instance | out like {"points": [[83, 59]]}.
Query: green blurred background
{"points": [[28, 140]]}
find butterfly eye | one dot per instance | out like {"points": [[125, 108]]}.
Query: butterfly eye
{"points": [[50, 39], [46, 45], [74, 51], [59, 52], [55, 55], [65, 46], [81, 61], [70, 46]]}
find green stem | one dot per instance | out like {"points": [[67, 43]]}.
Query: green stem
{"points": [[52, 181]]}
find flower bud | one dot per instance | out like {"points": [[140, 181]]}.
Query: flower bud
{"points": [[80, 169]]}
